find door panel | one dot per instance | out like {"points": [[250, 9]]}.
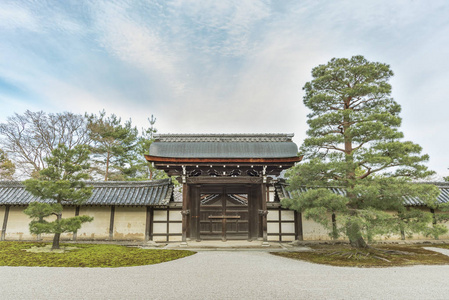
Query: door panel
{"points": [[224, 215]]}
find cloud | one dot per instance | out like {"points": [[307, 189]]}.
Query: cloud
{"points": [[15, 16], [220, 66], [220, 27]]}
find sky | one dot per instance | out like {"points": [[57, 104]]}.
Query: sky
{"points": [[221, 66]]}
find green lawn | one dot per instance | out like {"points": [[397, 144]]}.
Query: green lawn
{"points": [[377, 256], [86, 255]]}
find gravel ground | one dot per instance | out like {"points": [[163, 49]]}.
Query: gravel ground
{"points": [[226, 275]]}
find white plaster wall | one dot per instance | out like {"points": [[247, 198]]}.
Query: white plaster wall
{"points": [[416, 236], [160, 215], [175, 215], [175, 227], [314, 231], [160, 238], [98, 229], [159, 228], [129, 223], [175, 238], [272, 228], [17, 226], [273, 238], [288, 227], [287, 215], [271, 194], [67, 212], [288, 238], [273, 215]]}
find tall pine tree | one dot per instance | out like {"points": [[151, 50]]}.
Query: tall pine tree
{"points": [[62, 182], [354, 143], [114, 148]]}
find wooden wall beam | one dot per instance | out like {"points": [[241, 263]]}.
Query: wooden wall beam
{"points": [[264, 211], [5, 222], [299, 235], [149, 224], [185, 212], [111, 223], [77, 213], [195, 211]]}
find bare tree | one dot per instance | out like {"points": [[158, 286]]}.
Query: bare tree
{"points": [[30, 137]]}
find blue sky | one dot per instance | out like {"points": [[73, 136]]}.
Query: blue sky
{"points": [[220, 66]]}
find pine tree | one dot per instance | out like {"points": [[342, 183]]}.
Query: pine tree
{"points": [[7, 167], [114, 146], [145, 171], [354, 143], [60, 183]]}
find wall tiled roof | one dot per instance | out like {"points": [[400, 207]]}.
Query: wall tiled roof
{"points": [[282, 192], [128, 193]]}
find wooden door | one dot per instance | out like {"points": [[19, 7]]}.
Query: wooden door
{"points": [[224, 214]]}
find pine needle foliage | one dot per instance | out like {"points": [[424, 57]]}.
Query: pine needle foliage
{"points": [[354, 143], [62, 182], [114, 146], [7, 167]]}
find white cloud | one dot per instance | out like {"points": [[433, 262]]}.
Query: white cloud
{"points": [[221, 27], [223, 66], [15, 16]]}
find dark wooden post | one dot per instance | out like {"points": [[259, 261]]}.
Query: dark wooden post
{"points": [[149, 224], [223, 221], [111, 223], [264, 211], [280, 223], [185, 212], [5, 221], [77, 213], [250, 212], [195, 212], [168, 225], [434, 219], [299, 235], [254, 206]]}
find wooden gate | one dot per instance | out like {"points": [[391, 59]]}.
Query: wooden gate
{"points": [[224, 215]]}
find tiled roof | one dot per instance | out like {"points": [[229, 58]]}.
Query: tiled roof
{"points": [[442, 198], [128, 193], [224, 146], [282, 192], [224, 138]]}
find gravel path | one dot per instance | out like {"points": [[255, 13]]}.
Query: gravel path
{"points": [[226, 275], [439, 250]]}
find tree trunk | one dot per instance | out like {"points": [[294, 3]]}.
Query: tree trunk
{"points": [[402, 232], [56, 241], [358, 243], [334, 227], [106, 173], [355, 236], [57, 236], [352, 228]]}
